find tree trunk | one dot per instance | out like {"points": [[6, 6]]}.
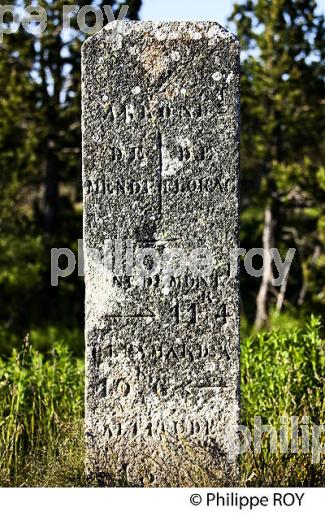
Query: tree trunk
{"points": [[262, 297], [303, 291], [282, 292], [51, 196]]}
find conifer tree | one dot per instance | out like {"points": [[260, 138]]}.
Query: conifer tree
{"points": [[283, 140]]}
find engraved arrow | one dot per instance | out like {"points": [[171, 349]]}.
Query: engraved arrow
{"points": [[145, 314], [149, 315], [157, 240], [189, 386]]}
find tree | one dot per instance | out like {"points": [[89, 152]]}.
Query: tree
{"points": [[282, 137], [40, 159]]}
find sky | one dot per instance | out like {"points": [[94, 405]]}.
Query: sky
{"points": [[181, 10], [195, 10]]}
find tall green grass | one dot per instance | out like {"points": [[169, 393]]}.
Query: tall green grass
{"points": [[283, 375], [41, 409], [41, 405]]}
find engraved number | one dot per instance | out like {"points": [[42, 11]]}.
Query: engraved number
{"points": [[187, 314]]}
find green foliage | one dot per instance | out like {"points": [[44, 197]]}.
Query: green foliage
{"points": [[283, 141], [40, 172], [283, 375], [39, 396]]}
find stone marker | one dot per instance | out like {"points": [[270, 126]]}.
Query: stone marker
{"points": [[160, 176]]}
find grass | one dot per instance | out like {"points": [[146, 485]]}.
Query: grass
{"points": [[283, 375], [41, 410]]}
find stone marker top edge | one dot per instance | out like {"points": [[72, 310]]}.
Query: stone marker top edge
{"points": [[163, 31]]}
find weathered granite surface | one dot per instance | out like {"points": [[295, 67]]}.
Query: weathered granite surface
{"points": [[160, 171]]}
